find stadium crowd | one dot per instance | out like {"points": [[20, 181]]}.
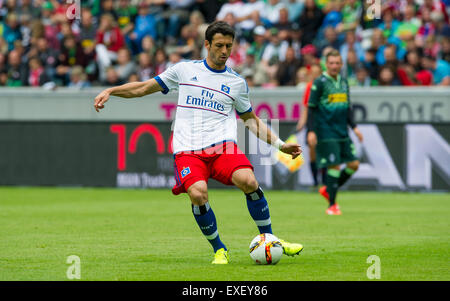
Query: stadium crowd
{"points": [[80, 43]]}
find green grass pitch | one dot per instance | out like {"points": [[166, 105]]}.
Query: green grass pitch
{"points": [[152, 235]]}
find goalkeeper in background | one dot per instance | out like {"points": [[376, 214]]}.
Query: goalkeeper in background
{"points": [[329, 115]]}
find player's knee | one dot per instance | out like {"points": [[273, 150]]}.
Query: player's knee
{"points": [[198, 194], [249, 184], [353, 165]]}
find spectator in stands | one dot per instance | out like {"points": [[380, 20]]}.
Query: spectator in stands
{"points": [[125, 66], [283, 20], [145, 69], [333, 15], [3, 77], [235, 7], [109, 34], [301, 78], [28, 7], [133, 78], [444, 53], [109, 41], [410, 24], [351, 15], [160, 61], [259, 43], [437, 7], [439, 68], [72, 53], [287, 69], [237, 56], [351, 65], [87, 31], [78, 78], [174, 15], [107, 7], [50, 29], [378, 39], [330, 39], [36, 75], [387, 77], [148, 45], [270, 14], [410, 72], [426, 28], [248, 16], [145, 26], [390, 53], [174, 58], [112, 77], [310, 21], [249, 66], [389, 24], [126, 16], [2, 62], [275, 50], [197, 21], [295, 8], [363, 78], [11, 30], [351, 43], [3, 46], [274, 53], [188, 46], [3, 70], [309, 56], [17, 70], [432, 46], [48, 57], [230, 18], [25, 29]]}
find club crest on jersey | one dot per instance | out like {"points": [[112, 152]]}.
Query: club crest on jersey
{"points": [[225, 89], [185, 172]]}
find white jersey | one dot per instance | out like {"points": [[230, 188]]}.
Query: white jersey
{"points": [[207, 99]]}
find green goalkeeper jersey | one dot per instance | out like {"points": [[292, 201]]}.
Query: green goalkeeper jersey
{"points": [[330, 100]]}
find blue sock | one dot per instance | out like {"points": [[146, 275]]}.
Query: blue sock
{"points": [[206, 220], [259, 210]]}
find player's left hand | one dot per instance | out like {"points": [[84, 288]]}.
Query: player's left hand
{"points": [[292, 149], [358, 134]]}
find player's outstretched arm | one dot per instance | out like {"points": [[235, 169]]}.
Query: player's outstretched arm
{"points": [[129, 90], [260, 129]]}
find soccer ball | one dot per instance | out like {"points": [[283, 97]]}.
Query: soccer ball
{"points": [[266, 249]]}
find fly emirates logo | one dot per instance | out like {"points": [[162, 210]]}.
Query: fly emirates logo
{"points": [[205, 101]]}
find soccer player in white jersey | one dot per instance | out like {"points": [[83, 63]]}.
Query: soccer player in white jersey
{"points": [[204, 138]]}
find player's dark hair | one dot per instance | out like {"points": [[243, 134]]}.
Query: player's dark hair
{"points": [[218, 27], [333, 52]]}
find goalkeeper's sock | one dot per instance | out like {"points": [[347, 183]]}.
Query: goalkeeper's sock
{"points": [[332, 184], [313, 166], [345, 175], [259, 210], [206, 220]]}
